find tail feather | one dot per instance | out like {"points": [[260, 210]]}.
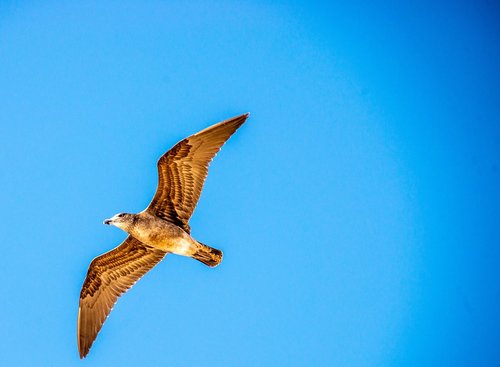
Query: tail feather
{"points": [[208, 255]]}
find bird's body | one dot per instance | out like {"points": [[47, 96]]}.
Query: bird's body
{"points": [[163, 235], [160, 229], [158, 233]]}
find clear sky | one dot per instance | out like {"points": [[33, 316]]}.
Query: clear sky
{"points": [[358, 208]]}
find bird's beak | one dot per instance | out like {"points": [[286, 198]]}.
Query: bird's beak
{"points": [[107, 221]]}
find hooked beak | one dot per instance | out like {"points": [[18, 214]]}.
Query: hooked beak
{"points": [[107, 221]]}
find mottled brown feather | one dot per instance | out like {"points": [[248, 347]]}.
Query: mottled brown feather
{"points": [[183, 169], [108, 277]]}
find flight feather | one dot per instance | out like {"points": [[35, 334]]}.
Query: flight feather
{"points": [[108, 277], [183, 169]]}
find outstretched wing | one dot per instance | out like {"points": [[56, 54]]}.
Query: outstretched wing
{"points": [[110, 275], [183, 169]]}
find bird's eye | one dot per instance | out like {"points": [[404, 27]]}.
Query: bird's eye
{"points": [[121, 215]]}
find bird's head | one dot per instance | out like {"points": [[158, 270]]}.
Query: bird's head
{"points": [[121, 220]]}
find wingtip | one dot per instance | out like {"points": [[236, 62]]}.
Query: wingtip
{"points": [[242, 118], [236, 120], [82, 353]]}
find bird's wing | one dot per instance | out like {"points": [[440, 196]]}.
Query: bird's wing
{"points": [[110, 275], [183, 169]]}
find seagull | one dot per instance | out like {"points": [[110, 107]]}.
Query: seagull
{"points": [[160, 229]]}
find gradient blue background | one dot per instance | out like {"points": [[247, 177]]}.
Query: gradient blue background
{"points": [[358, 209]]}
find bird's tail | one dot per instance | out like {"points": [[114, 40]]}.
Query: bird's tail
{"points": [[207, 255]]}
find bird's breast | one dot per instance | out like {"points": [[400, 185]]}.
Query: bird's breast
{"points": [[163, 235]]}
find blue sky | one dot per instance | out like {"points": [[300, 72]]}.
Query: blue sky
{"points": [[358, 208]]}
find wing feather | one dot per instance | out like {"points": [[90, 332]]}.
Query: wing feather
{"points": [[108, 277], [183, 169]]}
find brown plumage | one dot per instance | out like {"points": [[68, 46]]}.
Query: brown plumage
{"points": [[109, 276], [183, 169], [160, 229]]}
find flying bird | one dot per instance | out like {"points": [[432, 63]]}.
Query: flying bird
{"points": [[160, 229]]}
